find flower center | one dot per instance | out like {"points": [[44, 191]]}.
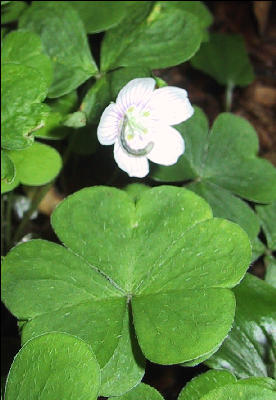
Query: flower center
{"points": [[134, 135]]}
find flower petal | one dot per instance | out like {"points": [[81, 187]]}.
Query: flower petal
{"points": [[109, 126], [137, 92], [136, 166], [168, 145], [171, 105]]}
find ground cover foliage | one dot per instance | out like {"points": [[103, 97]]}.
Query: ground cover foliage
{"points": [[161, 287]]}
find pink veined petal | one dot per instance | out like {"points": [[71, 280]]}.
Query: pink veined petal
{"points": [[109, 126], [135, 166], [137, 92], [170, 105], [168, 145]]}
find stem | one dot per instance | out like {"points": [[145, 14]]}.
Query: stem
{"points": [[8, 219], [2, 225], [229, 96], [68, 149], [75, 167], [267, 252], [65, 158], [113, 177], [38, 196]]}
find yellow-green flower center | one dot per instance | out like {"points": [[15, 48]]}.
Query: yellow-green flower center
{"points": [[134, 132]]}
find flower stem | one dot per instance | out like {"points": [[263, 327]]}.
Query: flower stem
{"points": [[229, 96], [38, 196], [65, 158], [2, 225], [113, 177], [9, 220], [68, 150]]}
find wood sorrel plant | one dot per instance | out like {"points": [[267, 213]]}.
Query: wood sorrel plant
{"points": [[212, 385], [142, 273], [160, 258]]}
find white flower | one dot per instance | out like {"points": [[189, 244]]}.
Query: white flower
{"points": [[139, 125]]}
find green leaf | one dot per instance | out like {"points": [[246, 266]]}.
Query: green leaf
{"points": [[81, 297], [224, 58], [198, 9], [221, 385], [221, 164], [95, 100], [75, 120], [189, 166], [161, 39], [99, 16], [270, 276], [22, 47], [64, 104], [54, 366], [85, 140], [68, 50], [11, 11], [36, 165], [267, 215], [4, 32], [258, 248], [204, 383], [53, 128], [8, 187], [267, 383], [238, 168], [22, 111], [126, 367], [137, 12], [225, 205], [141, 391], [135, 190], [7, 168], [200, 359], [120, 77], [227, 157], [165, 254], [248, 349], [238, 391]]}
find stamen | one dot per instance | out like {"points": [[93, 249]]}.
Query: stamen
{"points": [[135, 152]]}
